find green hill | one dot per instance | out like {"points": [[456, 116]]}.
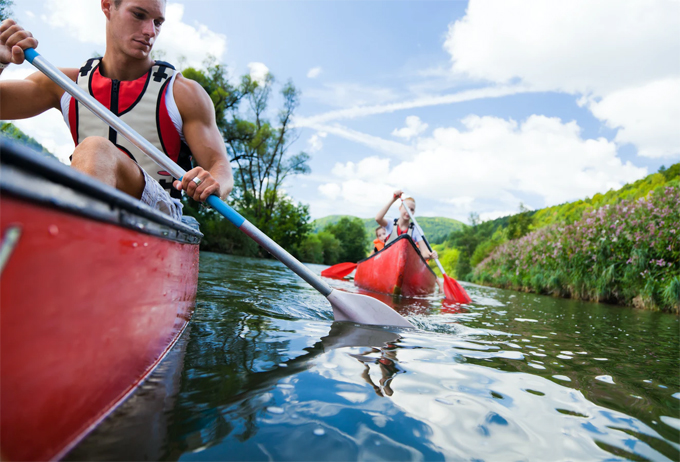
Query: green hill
{"points": [[436, 228]]}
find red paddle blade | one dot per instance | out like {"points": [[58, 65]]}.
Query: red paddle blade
{"points": [[454, 291], [339, 271]]}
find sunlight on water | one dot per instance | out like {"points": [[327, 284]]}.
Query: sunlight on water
{"points": [[264, 373]]}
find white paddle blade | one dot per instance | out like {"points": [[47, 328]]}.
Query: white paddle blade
{"points": [[363, 309]]}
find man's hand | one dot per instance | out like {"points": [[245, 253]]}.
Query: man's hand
{"points": [[199, 192], [13, 41]]}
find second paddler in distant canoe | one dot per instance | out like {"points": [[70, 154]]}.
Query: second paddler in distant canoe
{"points": [[172, 112]]}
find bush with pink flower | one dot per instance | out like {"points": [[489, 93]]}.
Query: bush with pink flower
{"points": [[626, 253]]}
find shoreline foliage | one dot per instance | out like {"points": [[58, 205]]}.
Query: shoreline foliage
{"points": [[258, 150], [626, 253], [342, 241]]}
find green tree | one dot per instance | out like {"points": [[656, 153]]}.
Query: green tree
{"points": [[520, 224], [258, 148], [289, 223], [352, 236], [332, 248], [5, 9]]}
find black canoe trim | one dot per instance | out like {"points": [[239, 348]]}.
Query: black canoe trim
{"points": [[31, 176], [413, 244]]}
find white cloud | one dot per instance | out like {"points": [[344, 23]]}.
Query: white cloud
{"points": [[617, 53], [330, 190], [81, 19], [541, 156], [648, 116], [315, 142], [414, 127], [425, 101], [487, 167], [350, 94], [258, 72], [192, 43], [578, 46], [314, 72], [370, 168], [85, 21], [375, 142]]}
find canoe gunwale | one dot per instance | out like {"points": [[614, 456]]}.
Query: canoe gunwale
{"points": [[29, 176]]}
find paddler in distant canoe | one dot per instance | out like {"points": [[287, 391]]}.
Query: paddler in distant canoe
{"points": [[402, 224], [173, 113]]}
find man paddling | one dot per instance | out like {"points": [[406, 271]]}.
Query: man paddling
{"points": [[403, 225], [172, 112]]}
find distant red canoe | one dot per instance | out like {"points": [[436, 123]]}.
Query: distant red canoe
{"points": [[95, 288], [398, 269]]}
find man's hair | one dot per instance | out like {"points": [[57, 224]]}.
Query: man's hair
{"points": [[409, 198], [116, 3]]}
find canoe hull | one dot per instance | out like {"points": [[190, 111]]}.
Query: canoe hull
{"points": [[398, 269], [88, 309]]}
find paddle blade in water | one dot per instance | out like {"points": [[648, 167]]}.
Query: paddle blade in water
{"points": [[454, 291], [363, 309], [339, 271]]}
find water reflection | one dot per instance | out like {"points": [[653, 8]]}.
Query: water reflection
{"points": [[267, 375]]}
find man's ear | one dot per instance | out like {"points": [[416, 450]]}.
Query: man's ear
{"points": [[107, 6]]}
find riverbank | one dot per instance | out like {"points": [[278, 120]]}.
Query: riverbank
{"points": [[627, 253]]}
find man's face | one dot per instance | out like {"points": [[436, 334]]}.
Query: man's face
{"points": [[382, 234], [404, 212], [134, 25]]}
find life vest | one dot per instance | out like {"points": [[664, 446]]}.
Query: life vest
{"points": [[139, 103], [378, 245], [396, 232]]}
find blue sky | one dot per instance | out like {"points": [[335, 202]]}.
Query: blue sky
{"points": [[468, 106]]}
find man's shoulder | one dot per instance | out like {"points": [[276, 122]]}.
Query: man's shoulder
{"points": [[190, 97], [184, 87]]}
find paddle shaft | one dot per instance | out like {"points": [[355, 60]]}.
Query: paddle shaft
{"points": [[167, 164], [422, 234]]}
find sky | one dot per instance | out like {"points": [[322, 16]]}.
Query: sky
{"points": [[471, 106]]}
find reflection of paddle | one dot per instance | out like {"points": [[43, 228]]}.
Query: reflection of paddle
{"points": [[346, 306], [339, 271], [452, 290]]}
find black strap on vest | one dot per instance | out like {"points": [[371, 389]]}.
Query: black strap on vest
{"points": [[410, 226]]}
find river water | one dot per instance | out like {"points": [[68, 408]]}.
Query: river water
{"points": [[263, 373]]}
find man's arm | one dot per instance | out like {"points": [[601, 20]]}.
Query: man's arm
{"points": [[380, 217], [20, 99], [205, 142]]}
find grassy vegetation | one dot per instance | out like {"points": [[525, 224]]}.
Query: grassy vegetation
{"points": [[627, 253]]}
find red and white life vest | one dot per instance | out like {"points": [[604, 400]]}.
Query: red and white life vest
{"points": [[141, 104], [396, 231]]}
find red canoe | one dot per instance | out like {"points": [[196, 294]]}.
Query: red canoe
{"points": [[95, 288], [398, 269]]}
